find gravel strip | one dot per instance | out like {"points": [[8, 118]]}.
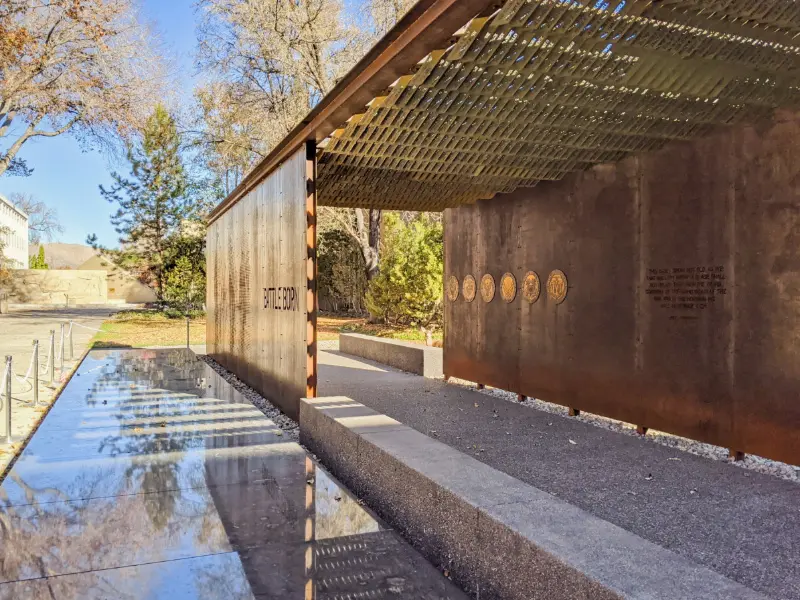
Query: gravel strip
{"points": [[265, 406], [750, 462]]}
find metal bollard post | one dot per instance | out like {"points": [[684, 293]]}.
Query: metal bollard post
{"points": [[35, 373], [71, 345], [8, 400], [52, 356], [61, 366]]}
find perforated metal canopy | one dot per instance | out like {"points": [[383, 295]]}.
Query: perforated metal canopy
{"points": [[464, 99], [537, 89]]}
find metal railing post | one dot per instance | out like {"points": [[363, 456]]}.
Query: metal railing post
{"points": [[8, 400], [71, 344], [61, 366], [35, 373], [52, 356], [187, 332]]}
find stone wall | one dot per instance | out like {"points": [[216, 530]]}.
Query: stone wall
{"points": [[58, 288]]}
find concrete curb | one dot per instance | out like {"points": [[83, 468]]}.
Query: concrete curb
{"points": [[406, 356], [498, 537]]}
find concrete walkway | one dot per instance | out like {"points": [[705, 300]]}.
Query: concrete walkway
{"points": [[18, 329], [741, 524], [153, 478]]}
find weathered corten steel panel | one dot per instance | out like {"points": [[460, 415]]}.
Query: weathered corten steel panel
{"points": [[260, 275], [683, 305]]}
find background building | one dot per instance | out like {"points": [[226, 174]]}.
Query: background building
{"points": [[16, 237], [59, 255], [122, 285]]}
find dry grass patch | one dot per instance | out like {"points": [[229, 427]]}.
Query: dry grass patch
{"points": [[147, 328], [330, 326]]}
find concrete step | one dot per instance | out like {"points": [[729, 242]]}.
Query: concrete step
{"points": [[497, 536], [406, 356]]}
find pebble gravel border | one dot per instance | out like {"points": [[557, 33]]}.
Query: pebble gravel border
{"points": [[290, 427], [750, 462]]}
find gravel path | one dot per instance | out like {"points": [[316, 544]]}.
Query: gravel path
{"points": [[265, 406], [750, 462], [736, 521]]}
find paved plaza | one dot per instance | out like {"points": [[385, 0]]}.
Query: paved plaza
{"points": [[151, 477]]}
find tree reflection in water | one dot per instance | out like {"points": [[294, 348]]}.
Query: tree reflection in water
{"points": [[58, 535], [336, 513], [136, 371], [180, 490]]}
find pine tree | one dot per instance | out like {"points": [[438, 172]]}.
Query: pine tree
{"points": [[153, 201], [408, 289], [186, 285], [38, 261]]}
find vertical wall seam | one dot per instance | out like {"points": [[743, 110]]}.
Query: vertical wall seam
{"points": [[311, 268]]}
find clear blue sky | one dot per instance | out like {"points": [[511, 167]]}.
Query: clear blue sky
{"points": [[65, 176]]}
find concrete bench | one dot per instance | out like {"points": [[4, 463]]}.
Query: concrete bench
{"points": [[498, 537], [406, 356]]}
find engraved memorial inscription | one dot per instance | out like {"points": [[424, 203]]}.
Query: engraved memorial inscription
{"points": [[683, 289]]}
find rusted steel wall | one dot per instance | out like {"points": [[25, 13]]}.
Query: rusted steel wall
{"points": [[682, 310], [261, 291]]}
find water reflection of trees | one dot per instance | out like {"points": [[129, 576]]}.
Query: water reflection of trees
{"points": [[171, 375], [172, 370], [337, 514], [61, 535], [84, 535], [163, 496]]}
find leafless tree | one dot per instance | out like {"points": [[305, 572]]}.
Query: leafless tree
{"points": [[88, 67], [272, 62], [385, 13], [43, 221], [364, 229], [4, 261]]}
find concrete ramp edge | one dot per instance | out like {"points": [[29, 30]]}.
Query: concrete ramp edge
{"points": [[496, 536]]}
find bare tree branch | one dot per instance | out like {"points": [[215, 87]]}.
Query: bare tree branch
{"points": [[43, 221], [271, 61], [84, 66]]}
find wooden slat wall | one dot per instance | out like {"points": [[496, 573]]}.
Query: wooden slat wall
{"points": [[643, 243], [263, 241]]}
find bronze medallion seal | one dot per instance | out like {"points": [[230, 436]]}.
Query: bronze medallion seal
{"points": [[452, 288], [508, 287], [468, 288], [531, 287], [487, 288], [557, 286]]}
